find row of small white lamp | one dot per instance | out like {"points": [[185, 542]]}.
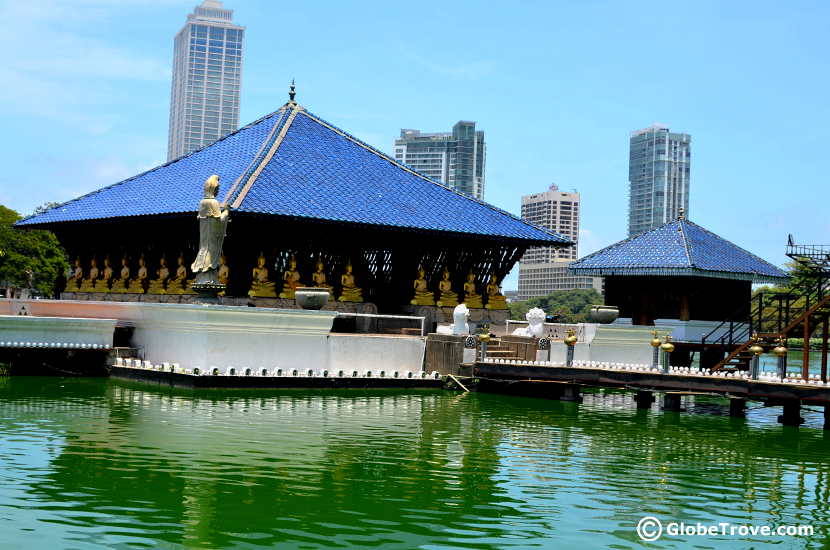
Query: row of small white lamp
{"points": [[275, 372], [53, 345]]}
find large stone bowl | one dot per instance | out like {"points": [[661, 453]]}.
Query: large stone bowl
{"points": [[603, 314], [308, 297]]}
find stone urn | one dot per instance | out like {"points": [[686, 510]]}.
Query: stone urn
{"points": [[603, 314], [308, 297]]}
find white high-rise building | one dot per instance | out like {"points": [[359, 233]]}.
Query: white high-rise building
{"points": [[658, 177], [544, 269], [454, 158], [207, 72]]}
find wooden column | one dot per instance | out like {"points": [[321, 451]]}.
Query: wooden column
{"points": [[805, 363], [824, 336]]}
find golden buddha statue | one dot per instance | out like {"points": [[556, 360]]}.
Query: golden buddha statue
{"points": [[75, 280], [423, 296], [260, 285], [158, 285], [180, 284], [88, 284], [351, 292], [495, 299], [137, 284], [471, 297], [223, 273], [103, 283], [291, 280], [121, 284], [319, 277], [446, 297]]}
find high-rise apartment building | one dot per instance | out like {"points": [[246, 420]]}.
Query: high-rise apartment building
{"points": [[207, 72], [544, 269], [455, 158], [658, 177]]}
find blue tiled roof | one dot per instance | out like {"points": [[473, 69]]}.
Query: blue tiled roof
{"points": [[292, 163], [679, 247]]}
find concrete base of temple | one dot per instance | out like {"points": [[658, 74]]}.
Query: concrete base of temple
{"points": [[278, 303], [443, 315]]}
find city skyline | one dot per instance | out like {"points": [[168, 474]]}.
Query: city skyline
{"points": [[207, 76], [105, 98]]}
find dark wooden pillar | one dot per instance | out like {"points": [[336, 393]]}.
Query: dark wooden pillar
{"points": [[737, 406], [805, 363], [684, 307], [824, 336], [644, 399]]}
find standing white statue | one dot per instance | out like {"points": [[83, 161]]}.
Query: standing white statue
{"points": [[213, 221], [535, 324]]}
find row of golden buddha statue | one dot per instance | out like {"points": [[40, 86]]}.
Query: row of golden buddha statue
{"points": [[449, 298], [263, 287], [105, 280]]}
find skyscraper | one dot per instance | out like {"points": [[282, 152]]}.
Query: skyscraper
{"points": [[455, 158], [207, 71], [544, 269], [658, 177]]}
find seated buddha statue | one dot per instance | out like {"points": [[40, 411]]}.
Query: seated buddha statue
{"points": [[158, 285], [351, 292], [123, 282], [137, 284], [291, 280], [180, 284], [76, 279], [223, 273], [88, 284], [260, 285], [319, 277], [446, 297], [103, 283], [471, 297], [495, 299], [423, 296]]}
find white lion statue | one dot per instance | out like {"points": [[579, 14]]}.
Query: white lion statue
{"points": [[535, 324], [459, 326]]}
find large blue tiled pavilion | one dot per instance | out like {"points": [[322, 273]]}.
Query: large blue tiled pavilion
{"points": [[677, 271], [299, 186]]}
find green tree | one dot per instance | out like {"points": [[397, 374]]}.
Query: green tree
{"points": [[571, 306], [29, 257]]}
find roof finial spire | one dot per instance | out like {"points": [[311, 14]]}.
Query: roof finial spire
{"points": [[291, 92], [682, 214]]}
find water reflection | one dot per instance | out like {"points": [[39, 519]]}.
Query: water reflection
{"points": [[91, 462]]}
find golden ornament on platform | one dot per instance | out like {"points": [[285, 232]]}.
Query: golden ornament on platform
{"points": [[471, 297], [123, 282], [261, 286], [180, 284], [351, 292], [291, 280], [103, 284], [423, 296], [495, 299], [446, 297]]}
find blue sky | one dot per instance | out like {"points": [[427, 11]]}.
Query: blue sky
{"points": [[556, 86]]}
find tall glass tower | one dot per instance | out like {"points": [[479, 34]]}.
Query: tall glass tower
{"points": [[658, 177], [207, 71], [455, 158]]}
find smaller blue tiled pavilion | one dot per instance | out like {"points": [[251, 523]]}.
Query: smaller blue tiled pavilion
{"points": [[677, 271]]}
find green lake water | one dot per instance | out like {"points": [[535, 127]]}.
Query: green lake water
{"points": [[96, 463]]}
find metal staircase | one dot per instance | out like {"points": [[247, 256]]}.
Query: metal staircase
{"points": [[775, 314]]}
